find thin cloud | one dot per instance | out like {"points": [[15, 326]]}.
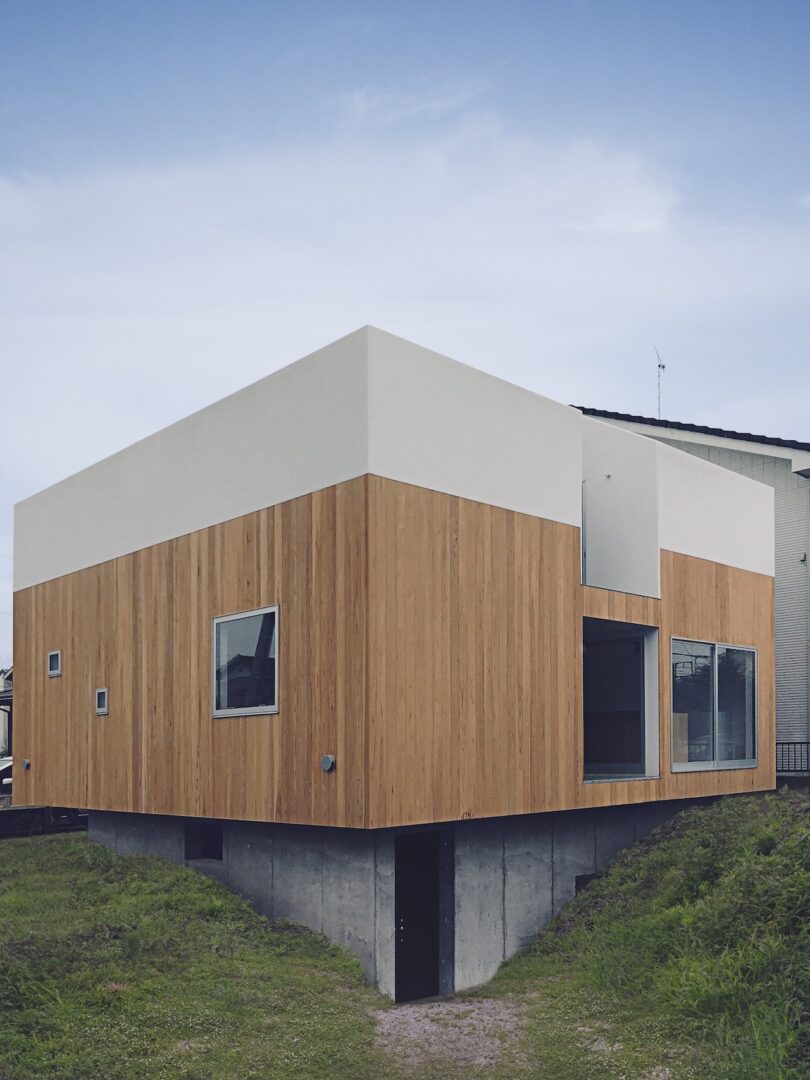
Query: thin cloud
{"points": [[129, 298], [366, 106]]}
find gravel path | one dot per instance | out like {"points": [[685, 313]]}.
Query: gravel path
{"points": [[476, 1034]]}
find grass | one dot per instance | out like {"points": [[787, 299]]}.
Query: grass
{"points": [[701, 933], [688, 960], [127, 967]]}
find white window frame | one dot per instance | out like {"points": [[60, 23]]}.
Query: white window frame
{"points": [[258, 710], [717, 764], [105, 709], [58, 654]]}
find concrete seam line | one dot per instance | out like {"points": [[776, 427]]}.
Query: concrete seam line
{"points": [[595, 845], [320, 928], [503, 890], [553, 875], [272, 872], [374, 917]]}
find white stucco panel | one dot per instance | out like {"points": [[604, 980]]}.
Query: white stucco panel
{"points": [[298, 430], [370, 402], [712, 513], [620, 500], [442, 425]]}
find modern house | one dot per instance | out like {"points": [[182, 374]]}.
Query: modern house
{"points": [[783, 464], [395, 648]]}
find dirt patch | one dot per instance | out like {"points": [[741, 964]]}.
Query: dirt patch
{"points": [[478, 1034]]}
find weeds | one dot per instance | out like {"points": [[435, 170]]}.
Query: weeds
{"points": [[707, 924], [129, 968]]}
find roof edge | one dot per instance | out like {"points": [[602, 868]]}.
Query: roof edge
{"points": [[697, 429]]}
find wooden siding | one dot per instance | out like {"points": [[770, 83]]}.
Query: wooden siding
{"points": [[475, 660], [432, 643], [141, 625]]}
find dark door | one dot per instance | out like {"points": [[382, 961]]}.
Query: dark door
{"points": [[416, 912]]}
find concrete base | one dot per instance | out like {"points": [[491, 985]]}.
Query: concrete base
{"points": [[514, 874], [337, 882], [506, 879]]}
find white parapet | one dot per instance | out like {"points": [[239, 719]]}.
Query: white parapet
{"points": [[641, 496], [713, 513], [369, 403]]}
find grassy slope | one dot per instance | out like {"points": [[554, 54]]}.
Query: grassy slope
{"points": [[701, 933], [133, 968], [689, 959]]}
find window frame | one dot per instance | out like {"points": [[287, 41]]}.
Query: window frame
{"points": [[652, 708], [716, 764], [256, 710], [58, 654], [105, 691]]}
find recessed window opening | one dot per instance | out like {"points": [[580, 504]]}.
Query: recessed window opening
{"points": [[101, 701], [54, 664], [582, 881], [203, 840], [713, 706], [620, 687], [245, 663]]}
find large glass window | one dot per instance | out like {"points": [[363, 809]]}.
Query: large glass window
{"points": [[713, 705], [736, 704], [620, 698], [245, 663], [692, 701]]}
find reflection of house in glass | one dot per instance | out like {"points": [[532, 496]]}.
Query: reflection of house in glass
{"points": [[245, 662], [713, 704], [247, 681]]}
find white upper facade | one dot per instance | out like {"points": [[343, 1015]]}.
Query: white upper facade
{"points": [[374, 403], [640, 496], [369, 403]]}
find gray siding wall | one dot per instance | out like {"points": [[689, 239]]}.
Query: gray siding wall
{"points": [[792, 506]]}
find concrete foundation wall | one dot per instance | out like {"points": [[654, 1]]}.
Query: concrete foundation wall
{"points": [[506, 877], [337, 882], [514, 874]]}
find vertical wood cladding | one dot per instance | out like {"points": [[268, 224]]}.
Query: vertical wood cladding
{"points": [[433, 644], [475, 660], [141, 625]]}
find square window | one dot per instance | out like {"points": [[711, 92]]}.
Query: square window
{"points": [[245, 654], [54, 664], [713, 706], [101, 701]]}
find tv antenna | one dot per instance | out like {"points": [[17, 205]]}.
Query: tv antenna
{"points": [[661, 369]]}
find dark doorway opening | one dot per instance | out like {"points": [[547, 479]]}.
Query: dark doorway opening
{"points": [[614, 699], [423, 914], [203, 840]]}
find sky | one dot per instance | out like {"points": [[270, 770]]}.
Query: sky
{"points": [[193, 194]]}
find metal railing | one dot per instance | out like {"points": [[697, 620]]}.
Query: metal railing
{"points": [[792, 758]]}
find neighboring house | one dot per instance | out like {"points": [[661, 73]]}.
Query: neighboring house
{"points": [[341, 640], [783, 464], [6, 733]]}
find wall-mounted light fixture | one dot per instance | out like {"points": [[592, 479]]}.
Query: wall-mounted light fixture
{"points": [[328, 762]]}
